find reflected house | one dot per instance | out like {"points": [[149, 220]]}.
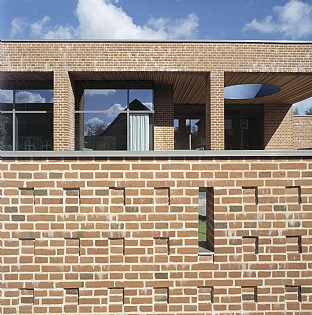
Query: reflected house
{"points": [[114, 136]]}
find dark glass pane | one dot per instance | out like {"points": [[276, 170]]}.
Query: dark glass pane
{"points": [[189, 127], [6, 132], [243, 127], [48, 107], [6, 107], [34, 132], [97, 131]]}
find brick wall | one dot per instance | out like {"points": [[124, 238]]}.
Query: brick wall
{"points": [[93, 236], [278, 127], [302, 132]]}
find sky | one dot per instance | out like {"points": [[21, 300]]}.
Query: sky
{"points": [[157, 19]]}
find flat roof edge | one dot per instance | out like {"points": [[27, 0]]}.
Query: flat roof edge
{"points": [[251, 41], [168, 154]]}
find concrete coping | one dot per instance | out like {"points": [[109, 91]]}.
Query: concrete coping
{"points": [[231, 41], [156, 154]]}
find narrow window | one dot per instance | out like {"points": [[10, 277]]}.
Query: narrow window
{"points": [[206, 220]]}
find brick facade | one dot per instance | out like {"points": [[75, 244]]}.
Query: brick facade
{"points": [[120, 236], [302, 132], [211, 59], [85, 233]]}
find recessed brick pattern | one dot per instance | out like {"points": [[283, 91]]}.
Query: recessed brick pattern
{"points": [[148, 253]]}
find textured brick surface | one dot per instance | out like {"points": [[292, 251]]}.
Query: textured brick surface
{"points": [[302, 132], [132, 246]]}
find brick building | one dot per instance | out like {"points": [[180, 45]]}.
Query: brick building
{"points": [[109, 148]]}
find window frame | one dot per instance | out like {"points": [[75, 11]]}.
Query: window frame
{"points": [[126, 112], [14, 112]]}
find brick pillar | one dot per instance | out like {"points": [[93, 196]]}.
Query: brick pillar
{"points": [[64, 112], [278, 127], [215, 111], [163, 117]]}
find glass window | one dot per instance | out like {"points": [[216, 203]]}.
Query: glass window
{"points": [[206, 220], [26, 120], [6, 96], [243, 127], [114, 120], [189, 127]]}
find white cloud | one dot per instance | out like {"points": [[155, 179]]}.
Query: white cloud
{"points": [[60, 32], [303, 105], [17, 26], [100, 19], [180, 28], [292, 20], [6, 96], [99, 92], [37, 28], [28, 97], [114, 110], [95, 121], [104, 19]]}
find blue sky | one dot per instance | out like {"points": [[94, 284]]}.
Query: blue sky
{"points": [[157, 19]]}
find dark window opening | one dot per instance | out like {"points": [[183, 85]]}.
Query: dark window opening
{"points": [[206, 220], [243, 127], [189, 127]]}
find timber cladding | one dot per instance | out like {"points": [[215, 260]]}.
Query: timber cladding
{"points": [[120, 236]]}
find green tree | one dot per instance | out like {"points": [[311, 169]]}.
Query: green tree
{"points": [[3, 132], [309, 111], [295, 111]]}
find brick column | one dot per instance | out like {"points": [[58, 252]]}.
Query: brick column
{"points": [[215, 111], [163, 117], [63, 112], [278, 127]]}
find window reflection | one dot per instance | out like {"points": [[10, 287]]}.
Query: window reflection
{"points": [[26, 120], [112, 120]]}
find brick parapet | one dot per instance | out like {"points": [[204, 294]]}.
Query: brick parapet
{"points": [[147, 56], [81, 233]]}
